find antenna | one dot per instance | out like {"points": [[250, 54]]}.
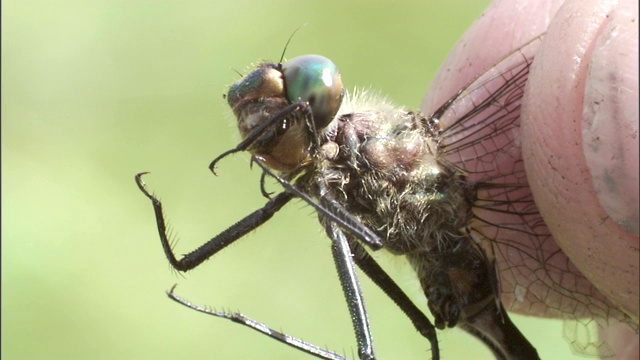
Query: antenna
{"points": [[288, 41]]}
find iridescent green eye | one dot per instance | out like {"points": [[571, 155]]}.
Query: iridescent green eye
{"points": [[315, 79]]}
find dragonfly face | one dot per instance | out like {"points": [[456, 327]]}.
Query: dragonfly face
{"points": [[269, 91]]}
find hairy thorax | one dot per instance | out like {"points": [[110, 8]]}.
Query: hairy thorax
{"points": [[383, 167]]}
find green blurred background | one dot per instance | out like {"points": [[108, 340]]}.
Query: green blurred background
{"points": [[96, 91]]}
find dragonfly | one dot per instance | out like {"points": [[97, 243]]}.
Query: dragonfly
{"points": [[447, 191]]}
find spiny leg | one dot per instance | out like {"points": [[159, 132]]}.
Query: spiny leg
{"points": [[373, 270], [220, 241], [342, 257], [239, 318]]}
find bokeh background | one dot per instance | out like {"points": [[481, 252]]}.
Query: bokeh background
{"points": [[96, 91]]}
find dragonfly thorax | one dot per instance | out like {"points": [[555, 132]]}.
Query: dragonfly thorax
{"points": [[387, 172]]}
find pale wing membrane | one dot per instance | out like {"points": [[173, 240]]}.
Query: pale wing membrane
{"points": [[480, 136]]}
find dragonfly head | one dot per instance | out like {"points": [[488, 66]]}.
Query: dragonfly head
{"points": [[270, 89]]}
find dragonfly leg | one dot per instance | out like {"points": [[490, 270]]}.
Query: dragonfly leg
{"points": [[342, 255], [220, 241], [373, 270], [241, 319]]}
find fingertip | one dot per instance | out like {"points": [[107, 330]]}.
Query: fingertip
{"points": [[552, 128]]}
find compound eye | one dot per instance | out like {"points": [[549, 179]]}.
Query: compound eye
{"points": [[315, 79]]}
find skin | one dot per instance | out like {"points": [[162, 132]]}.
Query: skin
{"points": [[584, 176]]}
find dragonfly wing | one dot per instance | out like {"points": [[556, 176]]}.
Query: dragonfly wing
{"points": [[481, 137]]}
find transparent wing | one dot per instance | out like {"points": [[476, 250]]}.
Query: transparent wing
{"points": [[481, 136]]}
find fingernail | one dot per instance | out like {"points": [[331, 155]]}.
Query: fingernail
{"points": [[610, 126]]}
